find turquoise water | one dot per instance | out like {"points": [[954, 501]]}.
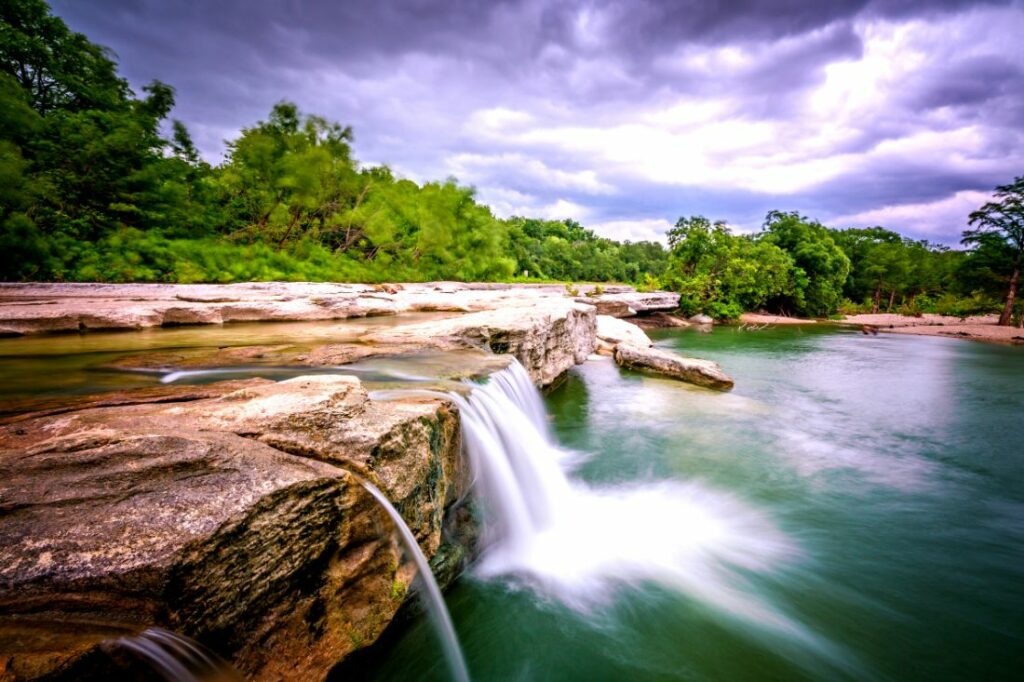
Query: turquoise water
{"points": [[891, 466]]}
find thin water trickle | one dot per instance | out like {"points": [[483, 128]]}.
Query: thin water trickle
{"points": [[176, 658], [432, 597]]}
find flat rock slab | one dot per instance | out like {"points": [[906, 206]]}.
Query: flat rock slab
{"points": [[691, 370], [230, 515], [612, 331], [618, 304], [41, 308]]}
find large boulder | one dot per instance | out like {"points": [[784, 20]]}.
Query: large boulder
{"points": [[691, 370], [612, 331], [232, 515], [548, 337]]}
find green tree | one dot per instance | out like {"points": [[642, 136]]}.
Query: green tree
{"points": [[820, 266], [999, 226], [721, 274]]}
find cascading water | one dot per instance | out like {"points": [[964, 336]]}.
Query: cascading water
{"points": [[577, 542], [175, 658], [433, 598]]}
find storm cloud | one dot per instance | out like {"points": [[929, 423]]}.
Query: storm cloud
{"points": [[622, 114]]}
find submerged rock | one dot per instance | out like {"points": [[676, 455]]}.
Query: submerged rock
{"points": [[233, 519], [691, 370], [660, 321]]}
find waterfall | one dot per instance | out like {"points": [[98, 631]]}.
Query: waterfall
{"points": [[506, 436], [175, 658], [579, 542], [432, 597]]}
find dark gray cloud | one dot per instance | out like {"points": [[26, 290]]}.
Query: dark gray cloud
{"points": [[620, 112]]}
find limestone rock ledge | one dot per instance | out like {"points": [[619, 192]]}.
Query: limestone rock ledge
{"points": [[612, 331], [233, 519], [548, 337], [40, 308]]}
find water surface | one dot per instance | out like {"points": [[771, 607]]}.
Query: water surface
{"points": [[866, 492]]}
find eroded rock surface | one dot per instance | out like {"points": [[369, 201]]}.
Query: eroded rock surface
{"points": [[548, 337], [691, 370], [232, 519], [627, 303]]}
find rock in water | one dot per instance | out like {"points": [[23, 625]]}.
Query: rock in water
{"points": [[612, 331], [701, 319], [691, 370]]}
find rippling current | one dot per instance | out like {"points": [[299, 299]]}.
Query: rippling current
{"points": [[854, 509]]}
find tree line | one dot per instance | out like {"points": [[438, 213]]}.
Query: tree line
{"points": [[98, 183], [797, 266]]}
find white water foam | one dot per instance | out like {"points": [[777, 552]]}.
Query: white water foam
{"points": [[578, 543]]}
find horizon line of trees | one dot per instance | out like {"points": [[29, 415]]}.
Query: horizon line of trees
{"points": [[797, 266], [99, 184]]}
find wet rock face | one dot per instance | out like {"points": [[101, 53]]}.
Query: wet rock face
{"points": [[233, 519], [691, 370]]}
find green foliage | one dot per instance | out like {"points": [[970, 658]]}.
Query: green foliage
{"points": [[997, 235], [91, 190], [722, 274], [886, 269], [820, 266], [566, 251]]}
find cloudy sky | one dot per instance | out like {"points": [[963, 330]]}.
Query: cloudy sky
{"points": [[622, 114]]}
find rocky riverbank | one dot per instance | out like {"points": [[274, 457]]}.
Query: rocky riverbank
{"points": [[232, 512]]}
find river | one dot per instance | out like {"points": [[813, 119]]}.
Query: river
{"points": [[854, 509]]}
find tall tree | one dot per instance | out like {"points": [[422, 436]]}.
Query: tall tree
{"points": [[1001, 223], [820, 266]]}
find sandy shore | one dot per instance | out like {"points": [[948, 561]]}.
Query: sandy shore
{"points": [[979, 328], [759, 318]]}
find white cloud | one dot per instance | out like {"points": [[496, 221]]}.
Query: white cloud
{"points": [[650, 229], [479, 167], [936, 218]]}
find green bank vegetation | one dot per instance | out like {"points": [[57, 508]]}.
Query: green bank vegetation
{"points": [[98, 183]]}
